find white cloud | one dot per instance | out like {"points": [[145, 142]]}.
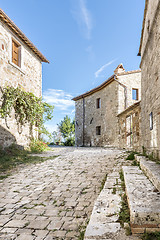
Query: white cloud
{"points": [[51, 128], [83, 17], [97, 73], [59, 98]]}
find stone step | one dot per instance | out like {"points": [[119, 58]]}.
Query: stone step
{"points": [[143, 201], [103, 221], [151, 169]]}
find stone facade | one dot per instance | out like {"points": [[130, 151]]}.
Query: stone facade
{"points": [[27, 74], [129, 127], [150, 61], [98, 125]]}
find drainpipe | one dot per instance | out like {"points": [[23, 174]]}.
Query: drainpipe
{"points": [[125, 91], [83, 120]]}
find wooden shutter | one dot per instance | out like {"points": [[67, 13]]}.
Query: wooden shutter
{"points": [[15, 54]]}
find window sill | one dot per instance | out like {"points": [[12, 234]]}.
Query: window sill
{"points": [[14, 65]]}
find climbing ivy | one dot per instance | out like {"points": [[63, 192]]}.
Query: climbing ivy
{"points": [[27, 107]]}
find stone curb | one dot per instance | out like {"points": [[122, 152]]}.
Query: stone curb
{"points": [[143, 201], [151, 169], [103, 222]]}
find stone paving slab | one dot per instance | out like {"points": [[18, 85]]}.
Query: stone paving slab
{"points": [[54, 199], [144, 202]]}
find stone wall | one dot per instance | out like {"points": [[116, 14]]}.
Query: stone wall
{"points": [[130, 80], [129, 126], [88, 116], [150, 12], [28, 76], [93, 117], [151, 84]]}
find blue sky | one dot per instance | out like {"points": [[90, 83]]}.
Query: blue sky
{"points": [[84, 40]]}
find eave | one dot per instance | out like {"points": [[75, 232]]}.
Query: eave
{"points": [[11, 25], [100, 87], [143, 25], [129, 108]]}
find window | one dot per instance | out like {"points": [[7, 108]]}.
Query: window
{"points": [[16, 53], [98, 130], [151, 120], [134, 94], [98, 103]]}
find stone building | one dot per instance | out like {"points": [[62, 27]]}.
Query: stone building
{"points": [[150, 66], [130, 127], [96, 120], [20, 65]]}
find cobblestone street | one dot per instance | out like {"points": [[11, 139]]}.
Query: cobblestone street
{"points": [[54, 199]]}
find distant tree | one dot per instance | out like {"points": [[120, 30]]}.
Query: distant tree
{"points": [[56, 136], [67, 129]]}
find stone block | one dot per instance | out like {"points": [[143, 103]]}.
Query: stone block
{"points": [[144, 203], [137, 230]]}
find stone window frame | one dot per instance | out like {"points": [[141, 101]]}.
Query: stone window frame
{"points": [[98, 103], [98, 130], [137, 94]]}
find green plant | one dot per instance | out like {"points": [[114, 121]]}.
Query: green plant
{"points": [[27, 107], [144, 152], [134, 163], [67, 129], [128, 231], [103, 182], [81, 235], [12, 156], [122, 180], [150, 156], [70, 141], [114, 191], [124, 214], [81, 232], [37, 145], [131, 156], [151, 236]]}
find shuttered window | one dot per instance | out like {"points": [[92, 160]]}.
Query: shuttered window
{"points": [[15, 53]]}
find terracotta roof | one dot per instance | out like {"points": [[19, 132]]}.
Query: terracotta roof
{"points": [[130, 108], [11, 25], [104, 84], [144, 18]]}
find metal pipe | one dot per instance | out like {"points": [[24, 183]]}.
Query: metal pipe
{"points": [[83, 120]]}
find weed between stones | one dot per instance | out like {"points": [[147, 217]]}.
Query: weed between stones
{"points": [[151, 236], [131, 156], [82, 229], [124, 214], [103, 182]]}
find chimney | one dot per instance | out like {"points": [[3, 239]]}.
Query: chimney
{"points": [[119, 69]]}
